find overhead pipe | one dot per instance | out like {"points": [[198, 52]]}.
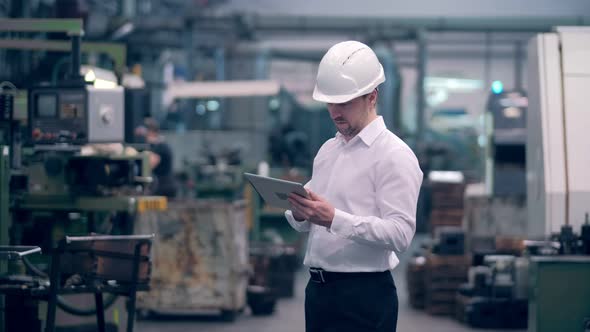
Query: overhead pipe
{"points": [[471, 24], [420, 86], [379, 28], [215, 120], [75, 58], [518, 65]]}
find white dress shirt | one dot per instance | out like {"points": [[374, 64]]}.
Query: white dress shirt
{"points": [[373, 182]]}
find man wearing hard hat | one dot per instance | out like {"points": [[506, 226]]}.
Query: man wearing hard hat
{"points": [[361, 207]]}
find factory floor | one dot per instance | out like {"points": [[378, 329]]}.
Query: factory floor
{"points": [[289, 314]]}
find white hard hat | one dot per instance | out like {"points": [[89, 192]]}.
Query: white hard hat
{"points": [[348, 70]]}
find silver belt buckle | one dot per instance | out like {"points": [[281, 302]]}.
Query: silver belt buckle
{"points": [[320, 273]]}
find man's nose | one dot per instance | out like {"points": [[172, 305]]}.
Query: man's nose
{"points": [[334, 108]]}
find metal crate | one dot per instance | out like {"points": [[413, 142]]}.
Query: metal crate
{"points": [[200, 258]]}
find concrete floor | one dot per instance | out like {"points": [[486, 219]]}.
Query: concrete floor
{"points": [[289, 314]]}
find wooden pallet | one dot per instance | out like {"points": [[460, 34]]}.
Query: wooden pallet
{"points": [[447, 202], [451, 189], [415, 275], [446, 216], [434, 261], [444, 275], [447, 195]]}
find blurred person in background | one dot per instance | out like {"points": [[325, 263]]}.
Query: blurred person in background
{"points": [[161, 157]]}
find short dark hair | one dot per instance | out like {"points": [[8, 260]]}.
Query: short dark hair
{"points": [[151, 125], [367, 94]]}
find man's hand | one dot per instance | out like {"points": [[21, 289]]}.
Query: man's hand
{"points": [[315, 209]]}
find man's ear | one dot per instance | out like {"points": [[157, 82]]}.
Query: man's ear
{"points": [[373, 98]]}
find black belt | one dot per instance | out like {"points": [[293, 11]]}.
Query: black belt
{"points": [[321, 276]]}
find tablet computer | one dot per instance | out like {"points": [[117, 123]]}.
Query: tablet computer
{"points": [[275, 191]]}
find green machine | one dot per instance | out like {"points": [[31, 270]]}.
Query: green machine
{"points": [[4, 215], [559, 294], [67, 173]]}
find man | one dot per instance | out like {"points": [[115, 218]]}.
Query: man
{"points": [[160, 158], [362, 201]]}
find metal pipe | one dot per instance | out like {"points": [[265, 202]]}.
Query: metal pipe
{"points": [[420, 93], [518, 59], [215, 119], [189, 41], [70, 26], [487, 60], [457, 55], [76, 57], [117, 52], [283, 23]]}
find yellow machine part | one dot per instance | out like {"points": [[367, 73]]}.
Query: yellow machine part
{"points": [[151, 203]]}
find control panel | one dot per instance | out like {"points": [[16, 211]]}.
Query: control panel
{"points": [[76, 115]]}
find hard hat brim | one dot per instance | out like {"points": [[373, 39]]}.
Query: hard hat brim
{"points": [[339, 99]]}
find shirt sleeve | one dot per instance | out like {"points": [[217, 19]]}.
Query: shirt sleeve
{"points": [[300, 226], [397, 187]]}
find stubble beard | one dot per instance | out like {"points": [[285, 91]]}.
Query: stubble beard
{"points": [[349, 131]]}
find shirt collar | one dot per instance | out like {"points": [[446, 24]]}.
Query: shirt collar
{"points": [[369, 134]]}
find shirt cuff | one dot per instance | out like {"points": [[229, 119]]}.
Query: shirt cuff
{"points": [[300, 226], [342, 224]]}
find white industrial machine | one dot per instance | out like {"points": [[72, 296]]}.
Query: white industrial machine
{"points": [[76, 113], [558, 124]]}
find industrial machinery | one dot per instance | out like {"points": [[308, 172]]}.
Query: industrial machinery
{"points": [[76, 114], [72, 177], [505, 163], [558, 183]]}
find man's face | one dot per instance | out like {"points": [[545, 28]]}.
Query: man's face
{"points": [[152, 136], [351, 117]]}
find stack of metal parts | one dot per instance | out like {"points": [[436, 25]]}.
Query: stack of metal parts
{"points": [[415, 274], [433, 279], [447, 199], [496, 294], [573, 243], [449, 240], [273, 275], [488, 218], [444, 275], [274, 265]]}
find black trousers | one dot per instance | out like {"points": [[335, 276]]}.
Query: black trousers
{"points": [[356, 304]]}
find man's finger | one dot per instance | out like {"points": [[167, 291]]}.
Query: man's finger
{"points": [[297, 197], [295, 201], [303, 201], [314, 196], [302, 208], [295, 204]]}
